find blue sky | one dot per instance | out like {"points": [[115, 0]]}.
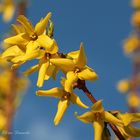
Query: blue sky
{"points": [[102, 26]]}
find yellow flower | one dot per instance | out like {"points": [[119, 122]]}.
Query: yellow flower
{"points": [[45, 67], [8, 9], [34, 39], [136, 19], [128, 130], [136, 3], [97, 117], [64, 102], [123, 86], [75, 68], [133, 99], [32, 44], [131, 44], [12, 52]]}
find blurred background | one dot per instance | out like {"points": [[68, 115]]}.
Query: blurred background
{"points": [[101, 26]]}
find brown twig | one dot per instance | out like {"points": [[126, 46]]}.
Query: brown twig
{"points": [[21, 9]]}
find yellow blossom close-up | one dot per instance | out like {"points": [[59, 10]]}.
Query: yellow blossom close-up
{"points": [[75, 69], [97, 117], [33, 39], [128, 130], [65, 99]]}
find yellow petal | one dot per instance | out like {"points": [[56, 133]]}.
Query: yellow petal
{"points": [[42, 24], [110, 118], [18, 59], [54, 92], [15, 66], [128, 118], [42, 71], [132, 131], [76, 100], [12, 52], [63, 81], [62, 107], [50, 29], [73, 54], [20, 39], [26, 57], [49, 44], [87, 74], [33, 49], [16, 29], [26, 24], [124, 134], [71, 79], [49, 72], [81, 60], [8, 12], [63, 64], [31, 70], [54, 74], [54, 48], [98, 129], [97, 107], [87, 117]]}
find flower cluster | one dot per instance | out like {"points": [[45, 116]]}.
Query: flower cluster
{"points": [[37, 42], [98, 117]]}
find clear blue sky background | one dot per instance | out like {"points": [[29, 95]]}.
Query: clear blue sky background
{"points": [[102, 26]]}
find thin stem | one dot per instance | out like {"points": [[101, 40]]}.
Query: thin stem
{"points": [[82, 86], [116, 131], [89, 95], [21, 9]]}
